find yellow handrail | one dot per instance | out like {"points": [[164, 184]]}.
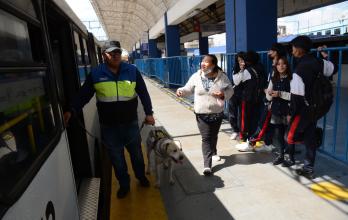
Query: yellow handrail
{"points": [[13, 121]]}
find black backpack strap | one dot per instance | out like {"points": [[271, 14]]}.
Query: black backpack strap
{"points": [[255, 74]]}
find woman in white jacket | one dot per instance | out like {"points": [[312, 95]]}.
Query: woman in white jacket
{"points": [[211, 87]]}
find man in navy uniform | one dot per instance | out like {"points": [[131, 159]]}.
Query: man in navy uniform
{"points": [[117, 86]]}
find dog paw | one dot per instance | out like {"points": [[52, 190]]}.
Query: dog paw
{"points": [[171, 182]]}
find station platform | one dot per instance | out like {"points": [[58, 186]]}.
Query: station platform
{"points": [[244, 185]]}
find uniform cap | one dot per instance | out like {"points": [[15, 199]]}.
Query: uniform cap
{"points": [[110, 46]]}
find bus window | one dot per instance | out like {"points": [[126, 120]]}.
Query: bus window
{"points": [[87, 57], [97, 55], [14, 40], [24, 5], [27, 125], [80, 64], [27, 119]]}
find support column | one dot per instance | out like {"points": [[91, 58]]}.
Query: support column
{"points": [[153, 50], [203, 45], [250, 25], [172, 38]]}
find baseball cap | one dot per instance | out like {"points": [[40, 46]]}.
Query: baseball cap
{"points": [[110, 46]]}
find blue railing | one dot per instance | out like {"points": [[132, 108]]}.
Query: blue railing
{"points": [[175, 71]]}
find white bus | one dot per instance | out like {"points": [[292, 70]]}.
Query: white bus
{"points": [[47, 171]]}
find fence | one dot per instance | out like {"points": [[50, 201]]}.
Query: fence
{"points": [[175, 71]]}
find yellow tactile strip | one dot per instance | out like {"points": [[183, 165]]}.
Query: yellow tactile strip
{"points": [[141, 203], [330, 191]]}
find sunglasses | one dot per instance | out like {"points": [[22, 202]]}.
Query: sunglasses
{"points": [[114, 54]]}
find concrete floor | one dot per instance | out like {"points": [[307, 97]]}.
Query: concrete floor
{"points": [[244, 185]]}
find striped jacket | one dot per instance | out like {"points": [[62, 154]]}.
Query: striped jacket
{"points": [[117, 94]]}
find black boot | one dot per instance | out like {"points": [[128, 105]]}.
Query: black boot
{"points": [[305, 171], [288, 163], [291, 161], [278, 160], [144, 182], [122, 192]]}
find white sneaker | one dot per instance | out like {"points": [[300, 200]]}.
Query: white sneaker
{"points": [[216, 158], [206, 171], [271, 146], [234, 136], [264, 148], [244, 147]]}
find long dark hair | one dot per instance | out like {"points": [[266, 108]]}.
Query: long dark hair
{"points": [[214, 61], [241, 55], [276, 75]]}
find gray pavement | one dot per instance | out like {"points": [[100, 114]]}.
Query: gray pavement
{"points": [[244, 185]]}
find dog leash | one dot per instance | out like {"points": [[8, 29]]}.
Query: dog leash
{"points": [[102, 141]]}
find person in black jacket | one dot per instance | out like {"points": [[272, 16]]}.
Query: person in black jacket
{"points": [[264, 130], [236, 99], [117, 86], [247, 80], [252, 80], [301, 128]]}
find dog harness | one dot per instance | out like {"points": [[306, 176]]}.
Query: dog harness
{"points": [[161, 137]]}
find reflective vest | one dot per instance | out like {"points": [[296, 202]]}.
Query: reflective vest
{"points": [[110, 87]]}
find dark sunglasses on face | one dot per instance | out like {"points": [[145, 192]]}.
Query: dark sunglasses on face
{"points": [[114, 54]]}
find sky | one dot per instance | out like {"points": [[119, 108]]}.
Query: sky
{"points": [[296, 23]]}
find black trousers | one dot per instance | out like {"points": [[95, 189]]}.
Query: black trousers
{"points": [[280, 130], [303, 131], [209, 132], [233, 112], [245, 121]]}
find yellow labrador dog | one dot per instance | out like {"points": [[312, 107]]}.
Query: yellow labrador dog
{"points": [[165, 150]]}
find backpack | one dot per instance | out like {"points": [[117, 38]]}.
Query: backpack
{"points": [[259, 84], [320, 97]]}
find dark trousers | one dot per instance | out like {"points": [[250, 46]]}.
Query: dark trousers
{"points": [[245, 120], [269, 134], [116, 137], [303, 131], [209, 132], [280, 131], [233, 112]]}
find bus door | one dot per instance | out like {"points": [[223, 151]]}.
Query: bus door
{"points": [[63, 48]]}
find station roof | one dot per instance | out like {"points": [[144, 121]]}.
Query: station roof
{"points": [[127, 20]]}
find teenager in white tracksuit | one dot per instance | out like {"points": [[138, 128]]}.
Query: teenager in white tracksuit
{"points": [[301, 128]]}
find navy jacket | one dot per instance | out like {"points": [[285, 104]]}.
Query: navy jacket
{"points": [[117, 111]]}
